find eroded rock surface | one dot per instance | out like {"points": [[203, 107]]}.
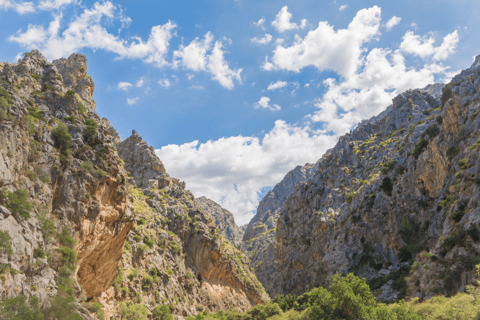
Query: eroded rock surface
{"points": [[395, 201]]}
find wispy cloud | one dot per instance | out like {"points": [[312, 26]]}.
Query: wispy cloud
{"points": [[132, 101], [264, 103], [124, 86], [392, 22]]}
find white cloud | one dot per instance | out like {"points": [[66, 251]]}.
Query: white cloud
{"points": [[392, 22], [307, 85], [413, 25], [232, 171], [166, 83], [87, 31], [343, 7], [277, 85], [140, 82], [423, 46], [382, 76], [124, 86], [19, 7], [264, 40], [326, 48], [264, 103], [200, 55], [53, 4], [190, 76], [282, 21], [260, 23], [132, 101], [196, 87]]}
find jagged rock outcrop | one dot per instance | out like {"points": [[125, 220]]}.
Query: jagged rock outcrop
{"points": [[68, 205], [77, 183], [395, 201], [176, 241], [223, 219], [260, 239]]}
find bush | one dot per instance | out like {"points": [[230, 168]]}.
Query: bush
{"points": [[81, 108], [36, 113], [39, 253], [5, 243], [149, 241], [87, 166], [90, 131], [351, 196], [162, 313], [143, 248], [133, 311], [147, 281], [446, 93], [141, 221], [419, 147], [71, 93], [47, 226], [65, 238], [132, 274], [18, 309], [63, 139], [17, 202], [451, 153], [432, 131]]}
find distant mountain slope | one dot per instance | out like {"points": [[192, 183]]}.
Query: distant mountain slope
{"points": [[395, 201]]}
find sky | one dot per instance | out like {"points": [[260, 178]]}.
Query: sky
{"points": [[233, 94]]}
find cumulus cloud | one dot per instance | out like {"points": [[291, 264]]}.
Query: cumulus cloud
{"points": [[343, 7], [19, 7], [132, 101], [166, 83], [140, 82], [232, 171], [260, 23], [277, 85], [282, 21], [124, 86], [264, 103], [423, 46], [87, 31], [264, 40], [325, 48], [392, 22], [202, 55], [371, 89], [54, 4]]}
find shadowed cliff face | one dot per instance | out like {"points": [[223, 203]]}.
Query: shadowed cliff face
{"points": [[78, 184], [396, 200]]}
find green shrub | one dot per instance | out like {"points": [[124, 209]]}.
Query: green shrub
{"points": [[69, 256], [18, 309], [136, 237], [141, 221], [81, 108], [147, 281], [351, 196], [419, 147], [149, 241], [446, 93], [63, 139], [47, 226], [133, 311], [71, 93], [87, 166], [39, 253], [35, 76], [162, 313], [128, 246], [463, 164], [452, 152], [5, 243], [432, 131], [90, 131], [17, 202], [459, 213], [36, 113], [143, 248], [65, 238], [132, 274], [71, 119]]}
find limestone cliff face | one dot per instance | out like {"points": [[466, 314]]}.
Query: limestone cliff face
{"points": [[64, 159], [80, 185], [176, 241], [395, 201], [260, 239], [223, 220]]}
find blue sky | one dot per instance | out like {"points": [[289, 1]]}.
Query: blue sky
{"points": [[234, 94]]}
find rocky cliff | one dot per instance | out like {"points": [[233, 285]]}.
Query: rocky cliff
{"points": [[260, 239], [76, 227], [395, 201], [223, 220]]}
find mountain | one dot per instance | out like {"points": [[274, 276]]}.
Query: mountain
{"points": [[395, 201], [223, 219], [94, 226], [260, 239]]}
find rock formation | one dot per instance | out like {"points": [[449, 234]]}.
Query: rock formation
{"points": [[67, 203], [395, 201], [223, 220]]}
